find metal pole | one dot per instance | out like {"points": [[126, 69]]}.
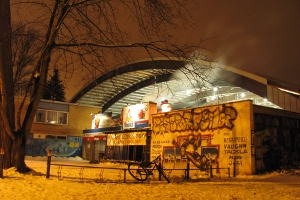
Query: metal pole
{"points": [[187, 170], [48, 164], [211, 171], [159, 172]]}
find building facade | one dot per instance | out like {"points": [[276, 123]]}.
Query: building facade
{"points": [[58, 127]]}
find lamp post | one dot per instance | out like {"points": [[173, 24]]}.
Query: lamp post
{"points": [[49, 154]]}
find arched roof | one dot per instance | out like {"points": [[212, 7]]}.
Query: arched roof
{"points": [[149, 80]]}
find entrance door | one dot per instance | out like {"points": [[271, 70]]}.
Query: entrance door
{"points": [[136, 152]]}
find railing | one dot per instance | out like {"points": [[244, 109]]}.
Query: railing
{"points": [[121, 172]]}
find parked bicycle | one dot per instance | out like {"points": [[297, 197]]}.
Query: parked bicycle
{"points": [[142, 170]]}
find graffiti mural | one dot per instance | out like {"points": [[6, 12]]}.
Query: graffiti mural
{"points": [[71, 147], [213, 136], [195, 121]]}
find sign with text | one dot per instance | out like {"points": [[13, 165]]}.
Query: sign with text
{"points": [[128, 138]]}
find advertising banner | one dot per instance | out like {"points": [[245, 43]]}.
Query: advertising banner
{"points": [[103, 120], [136, 116], [130, 138]]}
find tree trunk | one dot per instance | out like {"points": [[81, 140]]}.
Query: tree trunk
{"points": [[6, 143], [13, 139], [18, 153]]}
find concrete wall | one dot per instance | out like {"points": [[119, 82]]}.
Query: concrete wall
{"points": [[219, 135]]}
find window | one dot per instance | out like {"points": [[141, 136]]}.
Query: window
{"points": [[59, 137], [62, 117], [51, 117], [50, 137], [40, 116]]}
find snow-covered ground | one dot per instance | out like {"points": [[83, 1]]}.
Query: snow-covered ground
{"points": [[95, 183]]}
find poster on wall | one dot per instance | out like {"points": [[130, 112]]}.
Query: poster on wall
{"points": [[103, 120], [136, 116], [217, 135]]}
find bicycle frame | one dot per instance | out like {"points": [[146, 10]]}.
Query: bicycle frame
{"points": [[141, 171]]}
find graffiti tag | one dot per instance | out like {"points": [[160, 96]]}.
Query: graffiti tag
{"points": [[194, 121]]}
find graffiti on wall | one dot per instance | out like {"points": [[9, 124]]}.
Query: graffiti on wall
{"points": [[201, 136], [63, 148], [190, 149], [194, 121]]}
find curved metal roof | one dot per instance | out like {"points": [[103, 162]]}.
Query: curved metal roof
{"points": [[153, 80]]}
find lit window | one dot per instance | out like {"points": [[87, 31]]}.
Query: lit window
{"points": [[51, 117]]}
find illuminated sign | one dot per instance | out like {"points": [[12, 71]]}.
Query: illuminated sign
{"points": [[136, 116]]}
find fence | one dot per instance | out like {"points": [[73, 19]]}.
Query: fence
{"points": [[119, 173]]}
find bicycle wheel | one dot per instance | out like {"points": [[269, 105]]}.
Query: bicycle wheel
{"points": [[137, 172], [163, 173]]}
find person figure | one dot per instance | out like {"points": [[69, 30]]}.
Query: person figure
{"points": [[190, 147], [189, 150]]}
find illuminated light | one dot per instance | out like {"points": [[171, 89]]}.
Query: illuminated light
{"points": [[165, 106], [243, 95], [213, 97], [215, 89], [289, 91], [265, 99]]}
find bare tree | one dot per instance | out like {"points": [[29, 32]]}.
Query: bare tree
{"points": [[25, 48], [92, 36]]}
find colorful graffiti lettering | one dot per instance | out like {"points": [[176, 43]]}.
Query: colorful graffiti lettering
{"points": [[194, 121]]}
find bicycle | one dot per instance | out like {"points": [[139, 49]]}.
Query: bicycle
{"points": [[142, 170]]}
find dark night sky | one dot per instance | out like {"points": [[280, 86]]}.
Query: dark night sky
{"points": [[258, 36], [253, 35]]}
